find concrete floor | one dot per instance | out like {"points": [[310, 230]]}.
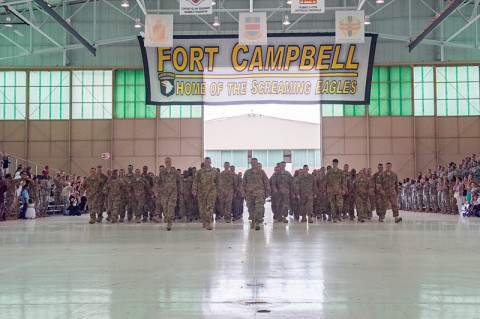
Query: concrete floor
{"points": [[62, 267]]}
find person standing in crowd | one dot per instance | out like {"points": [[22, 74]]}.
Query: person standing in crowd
{"points": [[169, 187], [227, 189], [282, 187], [387, 183], [256, 189], [5, 164], [205, 186], [306, 190], [137, 190], [335, 187], [149, 202]]}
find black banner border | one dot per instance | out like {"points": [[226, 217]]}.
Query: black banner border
{"points": [[366, 100]]}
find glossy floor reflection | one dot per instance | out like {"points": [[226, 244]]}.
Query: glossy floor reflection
{"points": [[62, 267]]}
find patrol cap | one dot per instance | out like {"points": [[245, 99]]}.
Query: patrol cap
{"points": [[335, 160]]}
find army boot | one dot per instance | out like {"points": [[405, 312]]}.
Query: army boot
{"points": [[114, 219], [145, 219], [208, 226], [169, 226], [91, 221], [380, 219], [257, 226], [121, 220], [398, 219], [285, 220], [138, 220], [310, 220]]}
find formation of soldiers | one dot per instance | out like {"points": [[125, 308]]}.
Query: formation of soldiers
{"points": [[329, 194], [434, 191], [333, 194]]}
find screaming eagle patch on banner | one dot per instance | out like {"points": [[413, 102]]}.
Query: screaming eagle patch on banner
{"points": [[299, 68]]}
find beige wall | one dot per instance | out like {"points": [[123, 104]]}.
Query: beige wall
{"points": [[77, 145], [412, 144]]}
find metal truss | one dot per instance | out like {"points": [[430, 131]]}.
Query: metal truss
{"points": [[37, 20]]}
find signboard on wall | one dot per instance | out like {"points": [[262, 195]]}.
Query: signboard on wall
{"points": [[308, 6], [293, 69]]}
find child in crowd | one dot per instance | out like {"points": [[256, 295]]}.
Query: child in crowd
{"points": [[30, 213]]}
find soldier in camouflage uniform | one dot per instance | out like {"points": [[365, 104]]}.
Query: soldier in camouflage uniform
{"points": [[362, 188], [371, 195], [273, 196], [131, 202], [100, 198], [426, 195], [321, 200], [419, 192], [256, 188], [294, 208], [282, 189], [434, 194], [205, 187], [115, 190], [378, 194], [347, 198], [335, 187], [34, 192], [168, 186], [90, 186], [186, 203], [124, 199], [306, 190], [137, 192], [227, 188], [45, 191], [149, 202], [239, 199], [387, 183], [58, 182]]}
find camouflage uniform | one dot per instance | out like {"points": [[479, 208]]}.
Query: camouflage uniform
{"points": [[45, 191], [361, 190], [388, 182], [205, 186], [378, 195], [283, 182], [419, 189], [57, 181], [256, 188], [306, 187], [149, 202], [273, 197], [426, 196], [321, 201], [227, 188], [130, 202], [137, 191], [238, 200], [115, 190], [433, 195], [100, 198], [349, 198], [186, 201], [34, 193], [334, 185], [168, 186]]}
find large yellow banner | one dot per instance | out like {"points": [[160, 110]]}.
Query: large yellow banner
{"points": [[292, 69]]}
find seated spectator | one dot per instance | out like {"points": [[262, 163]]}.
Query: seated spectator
{"points": [[73, 207]]}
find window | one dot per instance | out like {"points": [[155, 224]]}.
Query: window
{"points": [[130, 95], [261, 157], [49, 95], [457, 90], [274, 157], [332, 110], [13, 95], [391, 92], [299, 158], [92, 94], [424, 93], [240, 158], [216, 158], [180, 111]]}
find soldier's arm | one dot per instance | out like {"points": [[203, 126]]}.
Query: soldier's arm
{"points": [[396, 183], [266, 184]]}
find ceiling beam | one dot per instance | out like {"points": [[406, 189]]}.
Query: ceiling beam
{"points": [[65, 25], [439, 18]]}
